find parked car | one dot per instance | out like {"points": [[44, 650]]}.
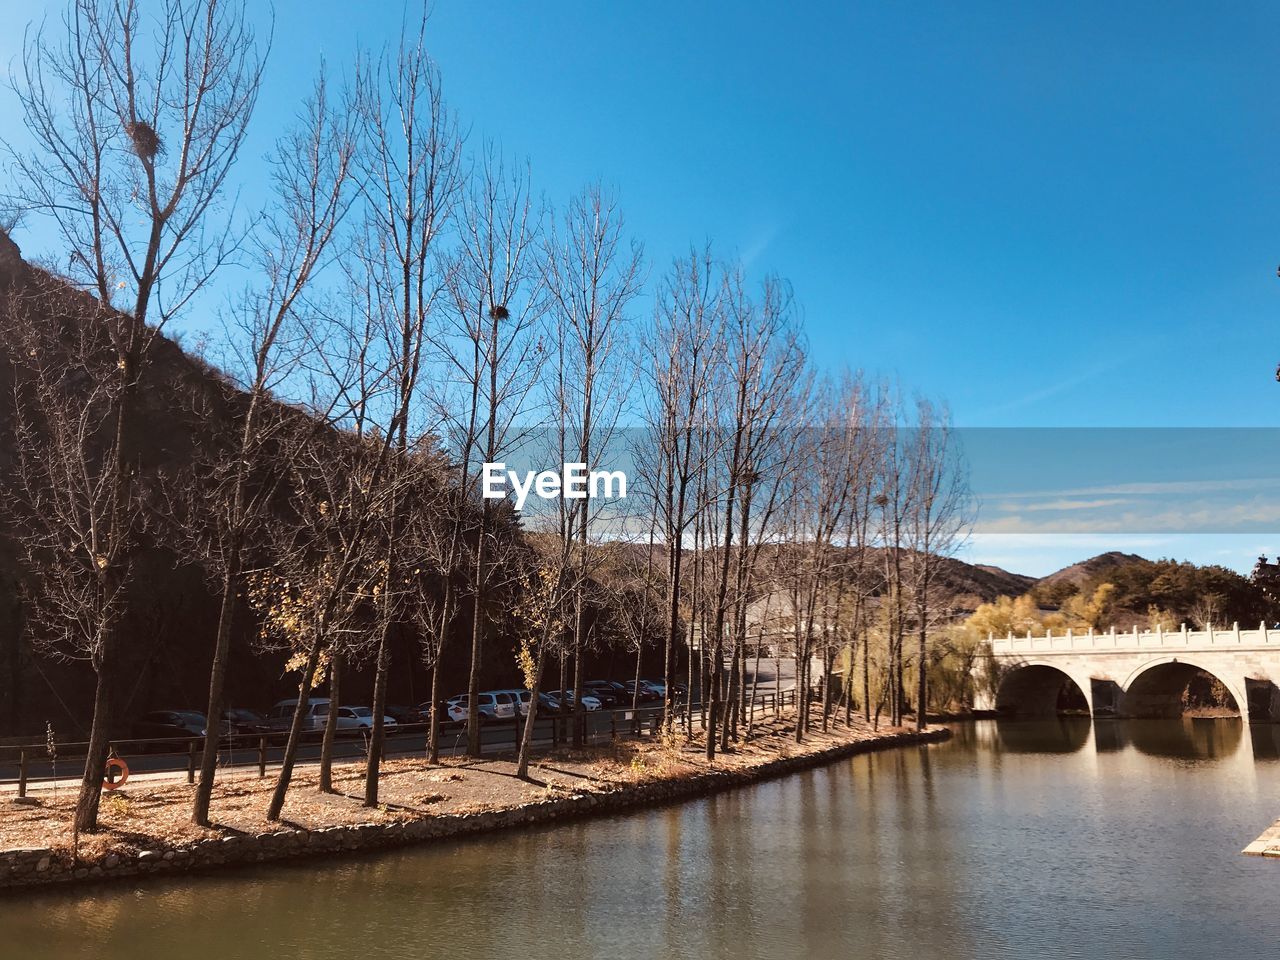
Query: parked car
{"points": [[167, 724], [456, 708], [240, 721], [360, 718], [403, 714], [647, 693], [678, 690], [547, 703], [589, 702], [313, 718], [609, 695], [491, 705], [521, 698]]}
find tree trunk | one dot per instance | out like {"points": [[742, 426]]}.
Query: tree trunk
{"points": [[295, 733], [526, 736], [433, 732], [217, 682], [330, 726], [922, 688], [827, 658], [477, 641], [96, 753], [377, 732]]}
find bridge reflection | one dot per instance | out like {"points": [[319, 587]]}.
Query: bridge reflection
{"points": [[1184, 738]]}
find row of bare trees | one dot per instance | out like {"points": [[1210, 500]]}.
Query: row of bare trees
{"points": [[791, 509], [402, 311]]}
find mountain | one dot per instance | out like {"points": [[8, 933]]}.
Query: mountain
{"points": [[185, 408], [1075, 575], [976, 583]]}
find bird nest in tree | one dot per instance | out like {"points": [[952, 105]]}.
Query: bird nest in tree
{"points": [[146, 142], [499, 312]]}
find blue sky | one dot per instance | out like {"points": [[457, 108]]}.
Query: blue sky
{"points": [[1049, 216]]}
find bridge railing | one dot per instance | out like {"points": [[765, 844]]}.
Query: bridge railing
{"points": [[1181, 638]]}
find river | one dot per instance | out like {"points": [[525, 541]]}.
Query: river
{"points": [[1062, 839]]}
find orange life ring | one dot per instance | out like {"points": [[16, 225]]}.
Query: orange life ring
{"points": [[115, 763]]}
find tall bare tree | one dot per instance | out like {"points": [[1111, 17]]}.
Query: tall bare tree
{"points": [[764, 361], [411, 176], [935, 522], [292, 244], [493, 340], [684, 353], [136, 124], [593, 273]]}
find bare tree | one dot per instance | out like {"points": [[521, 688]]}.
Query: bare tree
{"points": [[492, 339], [311, 175], [684, 353], [411, 175], [592, 275], [325, 594], [136, 127], [763, 363], [935, 522], [544, 609]]}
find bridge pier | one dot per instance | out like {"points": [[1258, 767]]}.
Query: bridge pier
{"points": [[1262, 700]]}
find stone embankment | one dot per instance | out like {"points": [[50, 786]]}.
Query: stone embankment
{"points": [[39, 866]]}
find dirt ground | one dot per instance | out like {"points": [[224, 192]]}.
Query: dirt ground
{"points": [[155, 814]]}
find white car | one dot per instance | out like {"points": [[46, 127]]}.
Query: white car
{"points": [[491, 705], [565, 697], [360, 718], [520, 697]]}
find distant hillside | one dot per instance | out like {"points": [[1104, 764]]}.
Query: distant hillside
{"points": [[185, 408], [974, 584], [1078, 574]]}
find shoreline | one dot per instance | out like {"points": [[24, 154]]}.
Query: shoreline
{"points": [[40, 867]]}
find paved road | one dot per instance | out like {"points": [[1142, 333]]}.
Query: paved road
{"points": [[495, 737]]}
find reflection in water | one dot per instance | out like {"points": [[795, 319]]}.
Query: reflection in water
{"points": [[1186, 738], [1050, 735], [960, 850], [1265, 740]]}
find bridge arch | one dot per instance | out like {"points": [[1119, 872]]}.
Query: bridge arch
{"points": [[1156, 688], [1037, 688]]}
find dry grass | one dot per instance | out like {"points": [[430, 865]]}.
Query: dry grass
{"points": [[155, 814]]}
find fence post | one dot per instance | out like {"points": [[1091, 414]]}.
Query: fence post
{"points": [[262, 756], [22, 774], [613, 725], [191, 762]]}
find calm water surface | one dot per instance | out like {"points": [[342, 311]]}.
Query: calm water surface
{"points": [[1059, 839]]}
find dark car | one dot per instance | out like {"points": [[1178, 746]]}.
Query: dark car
{"points": [[610, 695], [241, 721], [169, 724], [548, 703], [402, 714], [647, 693]]}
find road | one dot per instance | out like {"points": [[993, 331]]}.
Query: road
{"points": [[495, 736]]}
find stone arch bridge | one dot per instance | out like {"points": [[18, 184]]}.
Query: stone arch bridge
{"points": [[1129, 674]]}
